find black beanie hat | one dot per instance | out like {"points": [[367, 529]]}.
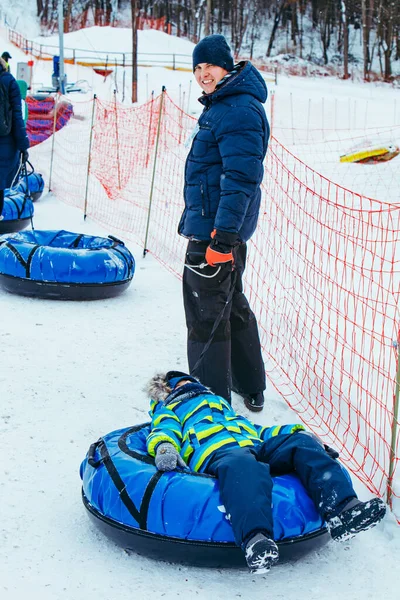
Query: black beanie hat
{"points": [[213, 50]]}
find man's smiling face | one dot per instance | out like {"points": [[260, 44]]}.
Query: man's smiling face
{"points": [[207, 76]]}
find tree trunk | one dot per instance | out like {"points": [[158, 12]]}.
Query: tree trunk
{"points": [[365, 28], [195, 20], [345, 23], [278, 15], [39, 7], [294, 23], [314, 4], [301, 9], [44, 19], [388, 39], [134, 10], [208, 18], [67, 17]]}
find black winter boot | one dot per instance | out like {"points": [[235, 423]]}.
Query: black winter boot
{"points": [[254, 402], [356, 517], [261, 553]]}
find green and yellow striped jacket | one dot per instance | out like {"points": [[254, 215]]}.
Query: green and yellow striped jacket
{"points": [[198, 423]]}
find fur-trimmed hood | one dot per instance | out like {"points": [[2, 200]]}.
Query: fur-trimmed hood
{"points": [[3, 64], [163, 384], [158, 388]]}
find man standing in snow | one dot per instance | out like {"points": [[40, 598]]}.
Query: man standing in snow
{"points": [[223, 173]]}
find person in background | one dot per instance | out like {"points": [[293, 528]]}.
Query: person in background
{"points": [[223, 173], [23, 89], [192, 427], [14, 141], [6, 57]]}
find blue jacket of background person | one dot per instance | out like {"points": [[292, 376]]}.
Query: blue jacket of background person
{"points": [[224, 167], [16, 141]]}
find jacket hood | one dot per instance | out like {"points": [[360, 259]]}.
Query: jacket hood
{"points": [[247, 80], [162, 385]]}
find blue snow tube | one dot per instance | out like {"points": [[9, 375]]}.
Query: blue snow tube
{"points": [[35, 185], [178, 516], [17, 211], [64, 265]]}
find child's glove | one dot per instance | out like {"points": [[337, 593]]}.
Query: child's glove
{"points": [[168, 458], [220, 249], [330, 451]]}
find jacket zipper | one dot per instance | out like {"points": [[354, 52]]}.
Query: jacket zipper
{"points": [[203, 212]]}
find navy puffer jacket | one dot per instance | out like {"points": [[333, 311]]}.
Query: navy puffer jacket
{"points": [[224, 168], [16, 140]]}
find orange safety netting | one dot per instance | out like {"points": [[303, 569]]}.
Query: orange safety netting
{"points": [[322, 275]]}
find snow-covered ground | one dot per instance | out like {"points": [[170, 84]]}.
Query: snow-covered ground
{"points": [[72, 371]]}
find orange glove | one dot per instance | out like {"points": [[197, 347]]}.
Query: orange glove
{"points": [[218, 253]]}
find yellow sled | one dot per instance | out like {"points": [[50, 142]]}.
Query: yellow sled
{"points": [[371, 155]]}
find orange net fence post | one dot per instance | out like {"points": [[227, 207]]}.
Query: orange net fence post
{"points": [[322, 275]]}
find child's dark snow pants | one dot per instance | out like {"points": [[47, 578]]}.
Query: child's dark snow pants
{"points": [[246, 485], [235, 352]]}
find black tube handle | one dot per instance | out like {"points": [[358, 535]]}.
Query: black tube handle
{"points": [[117, 240], [92, 452]]}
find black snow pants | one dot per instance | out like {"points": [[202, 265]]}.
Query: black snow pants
{"points": [[245, 482], [233, 360]]}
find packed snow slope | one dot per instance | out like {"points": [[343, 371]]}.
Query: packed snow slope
{"points": [[72, 371]]}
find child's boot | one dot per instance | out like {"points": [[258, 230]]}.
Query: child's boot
{"points": [[261, 553], [357, 516]]}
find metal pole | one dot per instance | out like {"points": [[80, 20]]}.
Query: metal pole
{"points": [[145, 250], [61, 44], [392, 457], [89, 157], [53, 139], [116, 75], [117, 138]]}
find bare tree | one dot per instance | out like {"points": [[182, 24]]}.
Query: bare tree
{"points": [[208, 18], [386, 34], [279, 8], [345, 23], [366, 33]]}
